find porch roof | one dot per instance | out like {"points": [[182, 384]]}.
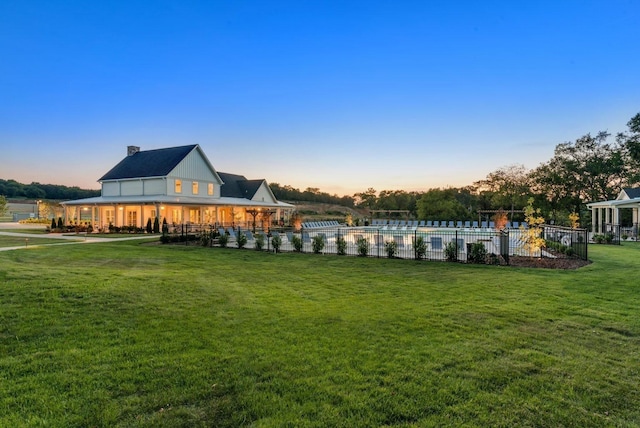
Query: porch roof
{"points": [[174, 200], [625, 203]]}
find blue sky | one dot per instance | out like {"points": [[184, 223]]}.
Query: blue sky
{"points": [[338, 95]]}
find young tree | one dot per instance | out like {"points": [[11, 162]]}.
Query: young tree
{"points": [[532, 235], [3, 205]]}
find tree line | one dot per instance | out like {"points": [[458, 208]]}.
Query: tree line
{"points": [[13, 189], [591, 168]]}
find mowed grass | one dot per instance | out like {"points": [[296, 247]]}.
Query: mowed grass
{"points": [[17, 241], [129, 335]]}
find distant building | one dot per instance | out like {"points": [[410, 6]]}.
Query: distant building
{"points": [[178, 184], [605, 215]]}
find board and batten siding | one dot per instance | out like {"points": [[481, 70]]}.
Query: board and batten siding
{"points": [[193, 168], [263, 194]]}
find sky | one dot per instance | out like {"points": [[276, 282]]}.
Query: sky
{"points": [[336, 95]]}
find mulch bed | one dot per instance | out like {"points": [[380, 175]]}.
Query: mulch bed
{"points": [[547, 263]]}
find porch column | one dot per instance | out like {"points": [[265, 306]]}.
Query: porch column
{"points": [[594, 222], [143, 223], [607, 216], [616, 216]]}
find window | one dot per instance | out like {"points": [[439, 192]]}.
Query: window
{"points": [[194, 187], [178, 187], [210, 189], [132, 218], [109, 216]]}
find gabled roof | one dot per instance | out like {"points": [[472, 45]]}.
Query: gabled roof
{"points": [[149, 163], [632, 192], [237, 186]]}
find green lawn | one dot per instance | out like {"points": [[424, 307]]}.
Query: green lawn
{"points": [[125, 334], [16, 241]]}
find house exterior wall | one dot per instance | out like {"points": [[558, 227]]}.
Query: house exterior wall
{"points": [[263, 194], [131, 188], [111, 188], [193, 168], [154, 186]]}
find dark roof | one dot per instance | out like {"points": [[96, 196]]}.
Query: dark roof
{"points": [[632, 192], [148, 163], [237, 186]]}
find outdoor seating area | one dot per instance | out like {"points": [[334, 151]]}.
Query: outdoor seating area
{"points": [[320, 224], [448, 224]]}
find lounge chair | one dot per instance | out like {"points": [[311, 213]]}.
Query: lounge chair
{"points": [[436, 223], [450, 224], [459, 224], [467, 224], [421, 223], [429, 223], [475, 225], [484, 225], [436, 243]]}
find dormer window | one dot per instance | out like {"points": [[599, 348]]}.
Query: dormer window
{"points": [[194, 188], [178, 186]]}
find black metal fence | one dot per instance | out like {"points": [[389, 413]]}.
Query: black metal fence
{"points": [[480, 245], [614, 234]]}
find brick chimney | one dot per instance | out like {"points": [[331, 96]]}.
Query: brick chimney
{"points": [[132, 150]]}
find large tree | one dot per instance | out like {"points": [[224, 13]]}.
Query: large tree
{"points": [[442, 204], [630, 144], [589, 169], [507, 188]]}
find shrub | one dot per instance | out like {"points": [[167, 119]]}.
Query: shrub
{"points": [[341, 245], [477, 253], [391, 247], [165, 239], [276, 243], [205, 238], [259, 242], [241, 241], [451, 252], [156, 225], [420, 247], [53, 223], [149, 227], [223, 240], [60, 225], [296, 241], [165, 226], [363, 247], [317, 244]]}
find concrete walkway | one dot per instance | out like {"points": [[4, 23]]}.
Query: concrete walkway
{"points": [[66, 239]]}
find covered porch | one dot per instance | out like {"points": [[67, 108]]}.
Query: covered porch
{"points": [[103, 213], [606, 217]]}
